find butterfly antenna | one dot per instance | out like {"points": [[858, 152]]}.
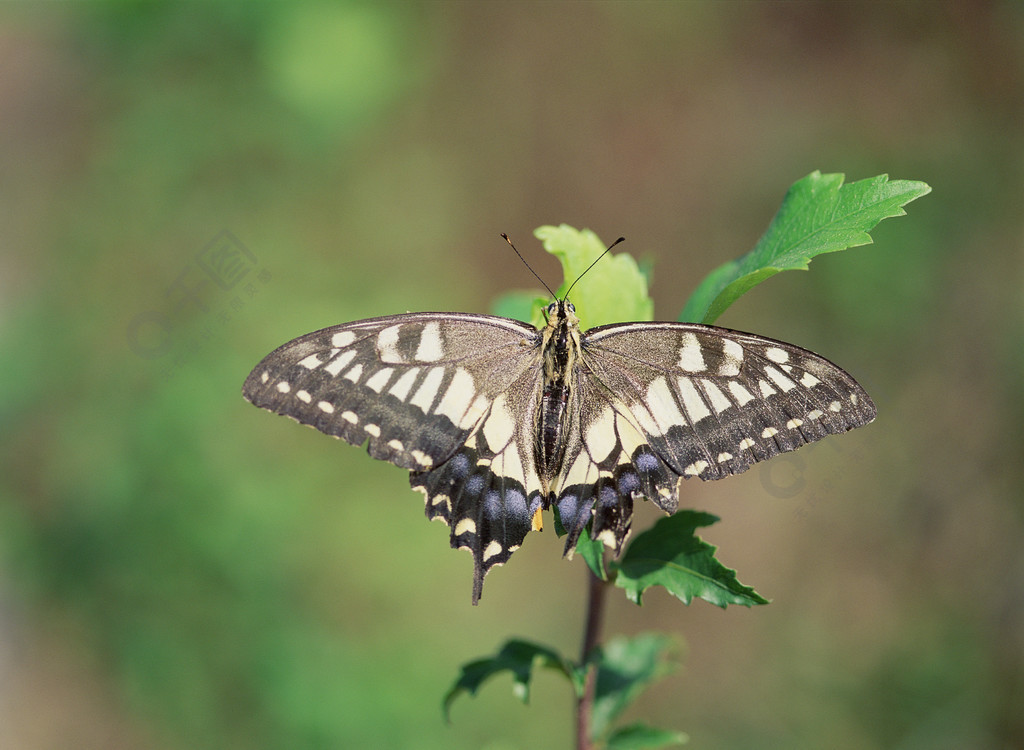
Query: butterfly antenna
{"points": [[505, 236], [621, 239]]}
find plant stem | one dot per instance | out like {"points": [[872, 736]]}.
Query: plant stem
{"points": [[591, 637]]}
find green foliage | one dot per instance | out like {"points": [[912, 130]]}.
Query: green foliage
{"points": [[670, 554], [818, 215], [519, 658], [639, 736], [625, 667]]}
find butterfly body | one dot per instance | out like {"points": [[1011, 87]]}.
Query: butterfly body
{"points": [[497, 420]]}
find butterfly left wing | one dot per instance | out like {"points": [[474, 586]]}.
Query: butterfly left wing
{"points": [[448, 396], [657, 402]]}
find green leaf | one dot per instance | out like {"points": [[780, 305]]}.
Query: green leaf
{"points": [[818, 215], [614, 290], [625, 667], [522, 304], [669, 554], [518, 657], [639, 736], [591, 550]]}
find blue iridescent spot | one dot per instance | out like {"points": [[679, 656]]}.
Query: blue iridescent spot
{"points": [[568, 508], [492, 504], [474, 484], [459, 465], [646, 462], [629, 482], [609, 497], [515, 506]]}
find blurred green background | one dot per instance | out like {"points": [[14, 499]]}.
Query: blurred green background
{"points": [[181, 570]]}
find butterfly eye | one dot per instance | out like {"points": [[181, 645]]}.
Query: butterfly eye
{"points": [[552, 308], [570, 307]]}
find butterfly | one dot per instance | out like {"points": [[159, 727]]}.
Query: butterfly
{"points": [[497, 420]]}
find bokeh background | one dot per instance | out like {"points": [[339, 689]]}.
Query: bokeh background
{"points": [[181, 570]]}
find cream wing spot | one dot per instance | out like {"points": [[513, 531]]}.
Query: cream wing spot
{"points": [[283, 387], [342, 339], [492, 550], [784, 383], [311, 362], [695, 407], [354, 374], [340, 362], [303, 396], [733, 358], [741, 394], [793, 424], [835, 406], [396, 445], [458, 397], [425, 394], [766, 389], [695, 468], [372, 430], [422, 458], [815, 414], [719, 401], [769, 432], [326, 407], [264, 376], [348, 416], [387, 345], [465, 526], [600, 435], [777, 355], [476, 410], [691, 358], [403, 385], [746, 444], [724, 456], [430, 348], [379, 379], [664, 412], [808, 380], [499, 426]]}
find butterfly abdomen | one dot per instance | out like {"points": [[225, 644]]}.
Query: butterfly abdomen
{"points": [[550, 448]]}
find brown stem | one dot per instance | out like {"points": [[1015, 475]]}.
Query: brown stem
{"points": [[591, 637]]}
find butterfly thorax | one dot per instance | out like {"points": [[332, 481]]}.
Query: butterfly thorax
{"points": [[561, 348]]}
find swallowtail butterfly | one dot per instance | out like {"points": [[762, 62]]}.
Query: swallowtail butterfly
{"points": [[497, 420]]}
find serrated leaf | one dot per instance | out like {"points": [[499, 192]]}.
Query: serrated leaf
{"points": [[625, 667], [670, 554], [614, 290], [517, 657], [818, 215], [639, 736]]}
